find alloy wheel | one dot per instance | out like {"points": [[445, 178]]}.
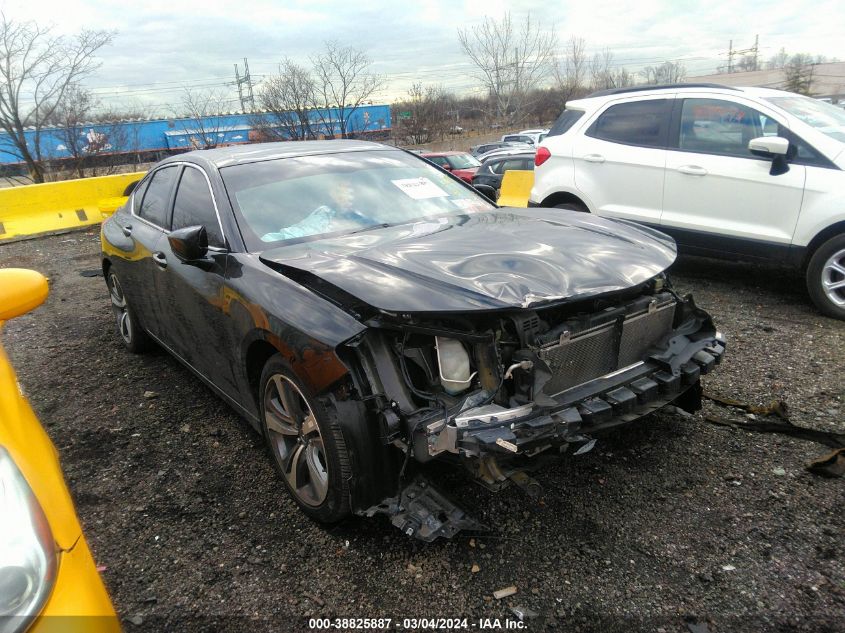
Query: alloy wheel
{"points": [[120, 309], [295, 440], [833, 278]]}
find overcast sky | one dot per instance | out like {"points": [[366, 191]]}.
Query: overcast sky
{"points": [[161, 45]]}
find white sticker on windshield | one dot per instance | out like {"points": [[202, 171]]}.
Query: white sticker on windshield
{"points": [[419, 188]]}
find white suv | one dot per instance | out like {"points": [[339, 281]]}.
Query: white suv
{"points": [[738, 173]]}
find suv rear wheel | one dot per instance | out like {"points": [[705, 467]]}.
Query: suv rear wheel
{"points": [[826, 277]]}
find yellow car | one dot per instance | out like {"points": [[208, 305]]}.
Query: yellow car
{"points": [[48, 579]]}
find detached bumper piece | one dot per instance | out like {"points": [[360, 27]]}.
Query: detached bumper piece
{"points": [[424, 513]]}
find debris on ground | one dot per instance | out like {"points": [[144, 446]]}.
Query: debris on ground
{"points": [[504, 593], [830, 465], [775, 407], [523, 613]]}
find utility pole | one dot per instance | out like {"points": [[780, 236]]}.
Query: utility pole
{"points": [[730, 56], [245, 97], [756, 50]]}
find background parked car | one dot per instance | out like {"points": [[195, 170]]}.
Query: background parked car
{"points": [[493, 169], [506, 151], [739, 173], [461, 164], [483, 148], [46, 568], [519, 138]]}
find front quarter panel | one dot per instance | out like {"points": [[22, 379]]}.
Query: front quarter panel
{"points": [[264, 305]]}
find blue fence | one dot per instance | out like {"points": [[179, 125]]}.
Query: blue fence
{"points": [[165, 135]]}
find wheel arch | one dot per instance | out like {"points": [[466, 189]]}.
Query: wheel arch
{"points": [[837, 228], [563, 197]]}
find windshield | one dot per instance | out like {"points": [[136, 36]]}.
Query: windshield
{"points": [[307, 197], [462, 161], [826, 118]]}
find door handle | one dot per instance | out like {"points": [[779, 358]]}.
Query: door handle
{"points": [[160, 259], [692, 170], [127, 229], [593, 158]]}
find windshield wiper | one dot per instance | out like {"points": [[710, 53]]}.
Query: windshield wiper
{"points": [[369, 228]]}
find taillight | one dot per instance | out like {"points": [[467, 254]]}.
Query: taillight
{"points": [[542, 155]]}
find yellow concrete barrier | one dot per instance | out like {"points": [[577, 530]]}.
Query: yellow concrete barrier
{"points": [[516, 185], [55, 206]]}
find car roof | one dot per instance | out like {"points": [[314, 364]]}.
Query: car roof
{"points": [[255, 152], [521, 153], [597, 98]]}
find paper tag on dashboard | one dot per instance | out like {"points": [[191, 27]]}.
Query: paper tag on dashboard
{"points": [[419, 188]]}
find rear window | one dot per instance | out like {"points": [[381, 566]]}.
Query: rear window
{"points": [[565, 121], [642, 123]]}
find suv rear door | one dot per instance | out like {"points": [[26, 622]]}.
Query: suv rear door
{"points": [[620, 159], [718, 196]]}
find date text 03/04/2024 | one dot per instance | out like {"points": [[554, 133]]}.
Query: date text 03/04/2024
{"points": [[413, 624]]}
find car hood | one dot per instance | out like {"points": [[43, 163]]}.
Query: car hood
{"points": [[508, 258]]}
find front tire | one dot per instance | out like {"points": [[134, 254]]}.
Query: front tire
{"points": [[306, 443], [131, 333], [826, 277]]}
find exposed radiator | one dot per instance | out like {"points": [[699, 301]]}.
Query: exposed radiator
{"points": [[582, 356]]}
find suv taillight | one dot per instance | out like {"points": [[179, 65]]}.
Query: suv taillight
{"points": [[542, 155]]}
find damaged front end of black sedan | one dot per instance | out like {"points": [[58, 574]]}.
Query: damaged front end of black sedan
{"points": [[504, 352]]}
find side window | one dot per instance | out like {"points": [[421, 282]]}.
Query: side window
{"points": [[139, 196], [527, 164], [716, 126], [642, 123], [496, 166], [154, 205], [513, 163], [440, 160], [194, 206]]}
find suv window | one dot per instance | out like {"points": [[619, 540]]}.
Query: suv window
{"points": [[154, 206], [642, 123], [716, 126], [565, 121], [518, 138], [194, 206]]}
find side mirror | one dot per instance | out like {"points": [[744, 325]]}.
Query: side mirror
{"points": [[775, 148], [21, 290], [487, 191], [189, 244]]}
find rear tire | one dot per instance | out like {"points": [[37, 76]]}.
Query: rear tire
{"points": [[128, 328], [306, 443], [826, 277], [572, 206]]}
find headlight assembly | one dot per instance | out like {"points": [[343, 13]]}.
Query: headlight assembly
{"points": [[27, 552]]}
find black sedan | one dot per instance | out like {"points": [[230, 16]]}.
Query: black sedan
{"points": [[493, 169], [367, 312]]}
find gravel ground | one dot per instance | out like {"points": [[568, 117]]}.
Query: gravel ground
{"points": [[667, 524]]}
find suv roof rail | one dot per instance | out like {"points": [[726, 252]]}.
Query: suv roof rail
{"points": [[616, 91]]}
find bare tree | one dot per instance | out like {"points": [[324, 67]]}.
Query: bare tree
{"points": [[779, 60], [510, 60], [89, 140], [665, 73], [202, 111], [427, 119], [798, 74], [342, 83], [287, 99], [571, 73], [37, 69]]}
